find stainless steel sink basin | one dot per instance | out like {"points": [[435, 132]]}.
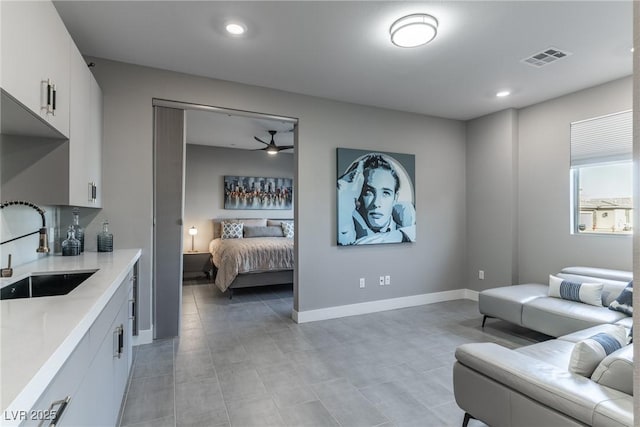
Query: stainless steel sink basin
{"points": [[44, 285]]}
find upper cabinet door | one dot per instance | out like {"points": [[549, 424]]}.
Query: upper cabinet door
{"points": [[79, 130], [35, 59], [94, 142]]}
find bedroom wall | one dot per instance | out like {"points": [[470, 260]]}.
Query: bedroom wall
{"points": [[327, 275], [204, 180]]}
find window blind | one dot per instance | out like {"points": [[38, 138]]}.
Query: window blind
{"points": [[602, 139]]}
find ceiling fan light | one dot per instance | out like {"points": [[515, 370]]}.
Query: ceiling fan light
{"points": [[413, 30], [272, 150]]}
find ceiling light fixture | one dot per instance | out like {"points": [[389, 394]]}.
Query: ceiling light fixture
{"points": [[235, 29], [503, 93], [413, 30]]}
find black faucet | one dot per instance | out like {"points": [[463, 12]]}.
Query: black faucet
{"points": [[43, 246]]}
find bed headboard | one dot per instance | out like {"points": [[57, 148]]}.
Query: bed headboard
{"points": [[252, 222]]}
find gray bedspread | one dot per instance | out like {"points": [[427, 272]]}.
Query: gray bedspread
{"points": [[255, 255]]}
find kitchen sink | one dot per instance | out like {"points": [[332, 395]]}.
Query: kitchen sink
{"points": [[44, 285]]}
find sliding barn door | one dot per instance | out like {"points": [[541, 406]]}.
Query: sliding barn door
{"points": [[168, 170]]}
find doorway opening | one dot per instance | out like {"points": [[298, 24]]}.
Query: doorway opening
{"points": [[215, 165]]}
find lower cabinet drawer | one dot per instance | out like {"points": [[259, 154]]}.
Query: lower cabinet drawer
{"points": [[57, 401]]}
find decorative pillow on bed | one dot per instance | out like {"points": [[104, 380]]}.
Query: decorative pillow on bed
{"points": [[588, 293], [587, 354], [624, 302], [252, 231], [287, 229], [232, 230]]}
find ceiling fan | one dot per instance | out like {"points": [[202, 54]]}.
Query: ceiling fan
{"points": [[271, 147]]}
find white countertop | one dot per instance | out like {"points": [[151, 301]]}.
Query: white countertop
{"points": [[37, 335]]}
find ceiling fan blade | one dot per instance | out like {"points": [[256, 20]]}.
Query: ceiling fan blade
{"points": [[284, 147], [259, 149], [259, 140]]}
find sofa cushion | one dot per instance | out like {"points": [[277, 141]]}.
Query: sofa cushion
{"points": [[624, 302], [506, 302], [556, 317], [588, 293], [554, 352], [611, 287], [588, 353], [614, 413], [616, 370]]}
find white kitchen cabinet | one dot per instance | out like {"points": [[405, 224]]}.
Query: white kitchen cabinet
{"points": [[85, 135], [94, 378], [35, 60]]}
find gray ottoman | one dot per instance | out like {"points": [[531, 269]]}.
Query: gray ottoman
{"points": [[506, 302]]}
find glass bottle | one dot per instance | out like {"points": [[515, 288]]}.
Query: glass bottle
{"points": [[70, 245], [79, 231], [105, 239]]}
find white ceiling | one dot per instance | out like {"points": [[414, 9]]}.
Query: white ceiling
{"points": [[341, 50]]}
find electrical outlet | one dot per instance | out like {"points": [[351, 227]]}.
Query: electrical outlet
{"points": [[362, 282], [387, 280], [381, 280], [481, 274]]}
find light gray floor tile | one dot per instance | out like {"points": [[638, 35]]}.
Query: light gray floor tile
{"points": [[254, 413], [193, 365], [310, 414], [200, 403], [244, 362], [149, 399], [241, 385]]}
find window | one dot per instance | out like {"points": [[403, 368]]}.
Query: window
{"points": [[601, 175]]}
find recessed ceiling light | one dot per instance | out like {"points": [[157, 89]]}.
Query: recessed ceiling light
{"points": [[413, 30], [235, 29], [632, 49], [503, 93]]}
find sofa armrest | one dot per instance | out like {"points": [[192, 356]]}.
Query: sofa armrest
{"points": [[567, 393]]}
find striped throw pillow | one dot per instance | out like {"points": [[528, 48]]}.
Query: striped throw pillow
{"points": [[624, 302], [587, 293], [587, 354]]}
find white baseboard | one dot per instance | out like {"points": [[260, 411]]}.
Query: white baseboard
{"points": [[145, 336], [381, 305]]}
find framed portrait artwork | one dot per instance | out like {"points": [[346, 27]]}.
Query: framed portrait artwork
{"points": [[252, 192], [375, 197]]}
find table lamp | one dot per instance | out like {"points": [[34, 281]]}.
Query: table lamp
{"points": [[193, 231]]}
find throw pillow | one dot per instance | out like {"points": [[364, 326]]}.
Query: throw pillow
{"points": [[232, 230], [588, 353], [588, 293], [624, 302], [266, 231], [287, 229], [616, 370]]}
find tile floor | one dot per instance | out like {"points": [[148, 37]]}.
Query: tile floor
{"points": [[244, 362]]}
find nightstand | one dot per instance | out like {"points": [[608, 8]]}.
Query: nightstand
{"points": [[196, 264]]}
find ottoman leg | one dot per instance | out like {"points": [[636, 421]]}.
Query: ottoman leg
{"points": [[467, 417]]}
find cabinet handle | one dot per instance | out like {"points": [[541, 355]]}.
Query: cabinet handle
{"points": [[53, 102], [93, 192], [63, 405], [118, 336], [133, 309], [47, 87]]}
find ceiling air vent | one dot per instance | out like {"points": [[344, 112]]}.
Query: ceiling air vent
{"points": [[545, 57]]}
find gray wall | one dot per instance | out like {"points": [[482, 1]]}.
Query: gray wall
{"points": [[518, 197], [326, 275], [492, 177], [204, 197], [545, 240]]}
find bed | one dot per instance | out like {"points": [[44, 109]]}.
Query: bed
{"points": [[257, 253]]}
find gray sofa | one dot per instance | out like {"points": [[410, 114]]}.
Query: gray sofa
{"points": [[532, 385], [530, 306]]}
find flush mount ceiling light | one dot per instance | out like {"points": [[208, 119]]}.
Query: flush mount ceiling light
{"points": [[413, 30], [503, 93], [235, 29]]}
